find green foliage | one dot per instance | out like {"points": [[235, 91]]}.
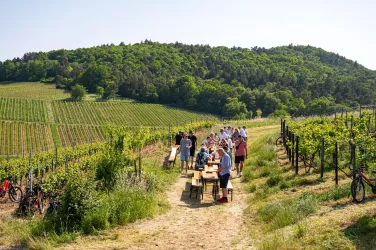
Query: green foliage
{"points": [[300, 80], [99, 91], [78, 92]]}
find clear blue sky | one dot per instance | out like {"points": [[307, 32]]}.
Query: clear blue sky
{"points": [[344, 27]]}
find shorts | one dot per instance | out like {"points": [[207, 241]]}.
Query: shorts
{"points": [[239, 159], [192, 152], [224, 180], [184, 156]]}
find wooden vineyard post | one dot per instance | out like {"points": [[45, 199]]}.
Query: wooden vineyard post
{"points": [[336, 162], [353, 159], [281, 127], [31, 178], [284, 138], [292, 149], [322, 152], [289, 148], [135, 167], [139, 164], [66, 162], [297, 155]]}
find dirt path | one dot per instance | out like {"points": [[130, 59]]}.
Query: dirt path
{"points": [[189, 224]]}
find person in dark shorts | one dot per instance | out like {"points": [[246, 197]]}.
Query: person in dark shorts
{"points": [[178, 138], [192, 152], [241, 153], [224, 171]]}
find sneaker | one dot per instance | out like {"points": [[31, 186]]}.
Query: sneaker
{"points": [[237, 175], [224, 200], [241, 174]]}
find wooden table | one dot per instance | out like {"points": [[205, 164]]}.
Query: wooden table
{"points": [[210, 176], [216, 162]]}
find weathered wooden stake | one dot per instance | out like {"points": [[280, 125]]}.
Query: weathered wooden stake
{"points": [[297, 155], [322, 152]]}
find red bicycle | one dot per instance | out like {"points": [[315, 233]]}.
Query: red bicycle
{"points": [[357, 185], [14, 192]]}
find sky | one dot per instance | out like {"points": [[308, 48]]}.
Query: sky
{"points": [[344, 27]]}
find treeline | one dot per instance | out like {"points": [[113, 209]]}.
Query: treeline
{"points": [[234, 82]]}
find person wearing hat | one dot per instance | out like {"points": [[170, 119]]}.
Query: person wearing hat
{"points": [[185, 145], [192, 152]]}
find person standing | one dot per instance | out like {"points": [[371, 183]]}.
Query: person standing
{"points": [[242, 132], [235, 135], [245, 133], [185, 145], [178, 138], [192, 152], [241, 154], [224, 171]]}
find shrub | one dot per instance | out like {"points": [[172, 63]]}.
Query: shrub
{"points": [[273, 180], [78, 92]]}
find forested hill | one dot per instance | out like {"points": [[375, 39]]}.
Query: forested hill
{"points": [[228, 81]]}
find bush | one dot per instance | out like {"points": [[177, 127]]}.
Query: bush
{"points": [[273, 180], [78, 92]]}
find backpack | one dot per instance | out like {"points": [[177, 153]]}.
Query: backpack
{"points": [[200, 161]]}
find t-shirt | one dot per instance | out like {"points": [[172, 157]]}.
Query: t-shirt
{"points": [[178, 138], [193, 139], [204, 156], [226, 163], [184, 143], [229, 141], [235, 136], [242, 133], [223, 136], [241, 148], [204, 142]]}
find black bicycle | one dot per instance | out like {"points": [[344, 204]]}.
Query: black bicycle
{"points": [[357, 185], [32, 201]]}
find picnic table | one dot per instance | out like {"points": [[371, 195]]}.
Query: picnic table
{"points": [[210, 175], [214, 162]]}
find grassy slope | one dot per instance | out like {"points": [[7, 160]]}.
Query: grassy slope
{"points": [[303, 212]]}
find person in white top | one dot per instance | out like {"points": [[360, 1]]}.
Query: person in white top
{"points": [[242, 133], [223, 135], [229, 131], [245, 133]]}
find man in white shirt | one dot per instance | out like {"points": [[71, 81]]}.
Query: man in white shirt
{"points": [[242, 132], [245, 133], [223, 135], [229, 131]]}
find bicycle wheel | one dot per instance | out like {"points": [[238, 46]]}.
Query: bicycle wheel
{"points": [[357, 190], [15, 193], [279, 141]]}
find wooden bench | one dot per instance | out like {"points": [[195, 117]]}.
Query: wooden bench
{"points": [[196, 185], [173, 153], [230, 188]]}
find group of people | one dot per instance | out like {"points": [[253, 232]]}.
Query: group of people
{"points": [[216, 147]]}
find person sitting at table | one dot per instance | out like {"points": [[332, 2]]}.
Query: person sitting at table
{"points": [[224, 172], [201, 159], [206, 142], [223, 143]]}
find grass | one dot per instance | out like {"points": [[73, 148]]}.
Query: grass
{"points": [[288, 211], [32, 90]]}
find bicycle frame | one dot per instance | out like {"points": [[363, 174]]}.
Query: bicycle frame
{"points": [[5, 185], [369, 181]]}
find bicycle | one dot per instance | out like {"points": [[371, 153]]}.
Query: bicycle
{"points": [[32, 201], [14, 192], [280, 140], [357, 185], [54, 204]]}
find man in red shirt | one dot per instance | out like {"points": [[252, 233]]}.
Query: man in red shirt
{"points": [[241, 153]]}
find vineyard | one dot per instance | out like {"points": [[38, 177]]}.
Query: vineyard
{"points": [[328, 144], [34, 118], [18, 138], [122, 113], [26, 110]]}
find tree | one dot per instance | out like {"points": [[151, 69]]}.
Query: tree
{"points": [[99, 91], [78, 92], [235, 108], [258, 113]]}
